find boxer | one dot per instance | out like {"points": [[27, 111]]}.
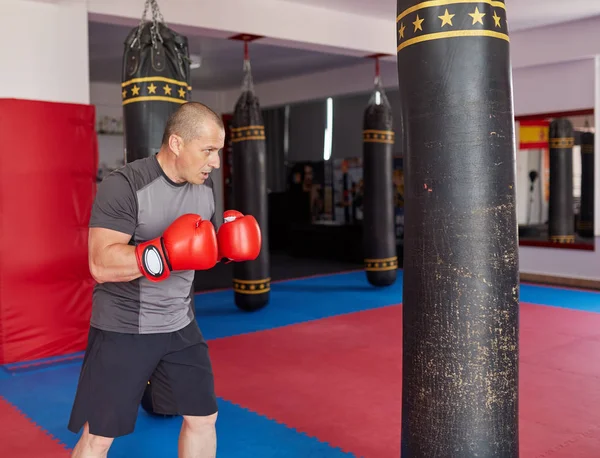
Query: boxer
{"points": [[152, 225]]}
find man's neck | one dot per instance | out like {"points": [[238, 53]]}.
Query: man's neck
{"points": [[166, 161]]}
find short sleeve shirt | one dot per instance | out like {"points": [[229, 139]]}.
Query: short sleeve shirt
{"points": [[141, 201]]}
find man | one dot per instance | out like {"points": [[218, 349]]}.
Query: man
{"points": [[152, 226]]}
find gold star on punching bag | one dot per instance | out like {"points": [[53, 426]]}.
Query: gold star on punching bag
{"points": [[496, 19], [401, 31], [446, 18], [418, 23], [477, 16]]}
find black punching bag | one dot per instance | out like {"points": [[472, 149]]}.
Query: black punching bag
{"points": [[155, 82], [461, 268], [379, 238], [561, 214], [251, 281], [586, 214]]}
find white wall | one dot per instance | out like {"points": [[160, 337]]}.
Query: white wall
{"points": [[56, 34], [563, 86]]}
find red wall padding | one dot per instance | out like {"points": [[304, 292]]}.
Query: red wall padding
{"points": [[48, 165]]}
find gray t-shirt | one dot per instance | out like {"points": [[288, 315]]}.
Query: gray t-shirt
{"points": [[140, 200]]}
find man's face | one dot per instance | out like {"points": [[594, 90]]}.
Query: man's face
{"points": [[198, 157]]}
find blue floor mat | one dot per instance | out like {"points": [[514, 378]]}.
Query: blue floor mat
{"points": [[45, 397], [587, 301], [292, 302]]}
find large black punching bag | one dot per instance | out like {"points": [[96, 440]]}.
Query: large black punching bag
{"points": [[461, 275], [586, 214], [251, 281], [379, 239], [155, 82], [561, 214]]}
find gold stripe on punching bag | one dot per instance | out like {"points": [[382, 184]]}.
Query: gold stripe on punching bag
{"points": [[443, 19], [378, 227], [460, 304], [252, 286], [247, 133], [155, 81], [378, 136], [154, 89], [561, 214], [381, 265], [251, 279]]}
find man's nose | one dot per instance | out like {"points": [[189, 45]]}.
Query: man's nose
{"points": [[215, 162]]}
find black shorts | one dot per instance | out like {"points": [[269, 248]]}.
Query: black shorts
{"points": [[116, 370]]}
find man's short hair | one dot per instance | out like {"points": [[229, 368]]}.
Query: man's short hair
{"points": [[188, 121]]}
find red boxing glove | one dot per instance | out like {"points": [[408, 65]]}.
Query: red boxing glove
{"points": [[189, 243], [239, 237]]}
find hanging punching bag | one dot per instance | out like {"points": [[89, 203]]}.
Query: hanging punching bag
{"points": [[379, 238], [251, 282], [561, 222], [586, 215], [460, 322], [155, 82]]}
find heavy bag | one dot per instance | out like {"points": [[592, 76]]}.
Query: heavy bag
{"points": [[585, 226], [379, 238], [251, 280], [561, 214], [155, 82], [461, 270]]}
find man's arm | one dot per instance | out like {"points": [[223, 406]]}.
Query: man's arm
{"points": [[111, 258], [112, 224]]}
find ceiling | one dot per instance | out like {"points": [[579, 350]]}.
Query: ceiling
{"points": [[522, 14], [222, 59], [221, 65]]}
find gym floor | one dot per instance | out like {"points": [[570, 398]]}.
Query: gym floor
{"points": [[318, 373]]}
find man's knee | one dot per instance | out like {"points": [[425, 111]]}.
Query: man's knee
{"points": [[200, 424], [99, 444]]}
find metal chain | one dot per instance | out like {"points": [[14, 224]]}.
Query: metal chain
{"points": [[156, 18]]}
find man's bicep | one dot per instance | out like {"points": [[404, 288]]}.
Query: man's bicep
{"points": [[99, 238], [115, 206]]}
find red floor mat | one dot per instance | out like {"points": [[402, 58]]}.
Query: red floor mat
{"points": [[339, 379], [20, 437]]}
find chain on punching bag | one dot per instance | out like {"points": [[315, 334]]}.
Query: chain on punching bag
{"points": [[379, 239], [251, 282], [155, 82], [460, 323], [561, 222]]}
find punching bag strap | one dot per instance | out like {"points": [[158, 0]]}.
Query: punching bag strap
{"points": [[157, 18]]}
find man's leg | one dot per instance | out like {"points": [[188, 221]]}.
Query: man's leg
{"points": [[183, 384], [198, 437], [114, 374], [90, 446]]}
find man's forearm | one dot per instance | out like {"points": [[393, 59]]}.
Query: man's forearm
{"points": [[117, 263]]}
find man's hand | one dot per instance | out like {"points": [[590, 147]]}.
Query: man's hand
{"points": [[239, 237], [189, 243]]}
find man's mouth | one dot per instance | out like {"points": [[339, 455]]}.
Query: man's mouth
{"points": [[205, 174]]}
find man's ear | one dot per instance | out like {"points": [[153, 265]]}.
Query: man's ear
{"points": [[176, 144]]}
